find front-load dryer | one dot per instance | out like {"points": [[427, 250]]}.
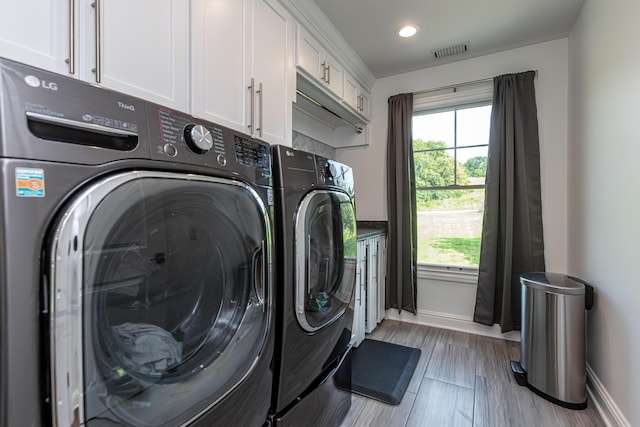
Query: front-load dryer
{"points": [[316, 270], [135, 261]]}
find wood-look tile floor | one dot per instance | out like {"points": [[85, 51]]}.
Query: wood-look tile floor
{"points": [[461, 380]]}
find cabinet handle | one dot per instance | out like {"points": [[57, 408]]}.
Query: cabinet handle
{"points": [[259, 129], [98, 69], [324, 71], [252, 113], [360, 103], [72, 37], [329, 74]]}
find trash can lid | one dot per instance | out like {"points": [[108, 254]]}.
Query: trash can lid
{"points": [[553, 282]]}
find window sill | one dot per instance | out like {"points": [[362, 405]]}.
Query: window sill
{"points": [[464, 275]]}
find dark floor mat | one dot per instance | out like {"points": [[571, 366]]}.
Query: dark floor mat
{"points": [[380, 370]]}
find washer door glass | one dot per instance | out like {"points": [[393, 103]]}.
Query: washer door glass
{"points": [[325, 256], [172, 313]]}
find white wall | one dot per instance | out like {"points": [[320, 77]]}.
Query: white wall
{"points": [[550, 59], [603, 194]]}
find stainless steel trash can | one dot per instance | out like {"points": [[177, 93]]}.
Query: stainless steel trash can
{"points": [[553, 337]]}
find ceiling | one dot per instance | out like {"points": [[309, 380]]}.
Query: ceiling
{"points": [[488, 25]]}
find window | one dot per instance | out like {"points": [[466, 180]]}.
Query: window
{"points": [[450, 149]]}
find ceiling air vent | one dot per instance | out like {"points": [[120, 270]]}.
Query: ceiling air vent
{"points": [[456, 49]]}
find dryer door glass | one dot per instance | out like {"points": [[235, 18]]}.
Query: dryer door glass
{"points": [[174, 281], [325, 258]]}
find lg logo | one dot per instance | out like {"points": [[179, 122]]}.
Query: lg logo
{"points": [[33, 81]]}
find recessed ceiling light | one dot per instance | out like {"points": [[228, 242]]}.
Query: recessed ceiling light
{"points": [[408, 30]]}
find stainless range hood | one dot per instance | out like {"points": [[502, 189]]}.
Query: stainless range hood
{"points": [[317, 103]]}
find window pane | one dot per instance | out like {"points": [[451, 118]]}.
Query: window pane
{"points": [[435, 127], [474, 160], [433, 168], [473, 126], [449, 226]]}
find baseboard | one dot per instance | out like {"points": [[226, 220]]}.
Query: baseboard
{"points": [[451, 321], [604, 403]]}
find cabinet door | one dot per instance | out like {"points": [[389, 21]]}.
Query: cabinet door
{"points": [[37, 33], [142, 49], [372, 285], [363, 108], [360, 297], [272, 70], [309, 54], [350, 91], [355, 96], [220, 88], [333, 75], [382, 277]]}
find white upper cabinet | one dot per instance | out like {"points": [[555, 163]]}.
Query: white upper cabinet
{"points": [[137, 47], [37, 33], [142, 48], [309, 54], [333, 74], [243, 73], [355, 96], [272, 71], [318, 63], [320, 66], [220, 86]]}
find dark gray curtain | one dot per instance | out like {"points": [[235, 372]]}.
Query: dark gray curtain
{"points": [[401, 198], [512, 241]]}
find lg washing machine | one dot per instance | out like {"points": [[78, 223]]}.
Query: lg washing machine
{"points": [[136, 282]]}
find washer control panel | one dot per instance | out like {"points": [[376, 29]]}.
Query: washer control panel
{"points": [[251, 153], [179, 131], [185, 139]]}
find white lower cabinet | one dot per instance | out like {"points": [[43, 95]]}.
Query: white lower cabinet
{"points": [[382, 278], [361, 292], [370, 286]]}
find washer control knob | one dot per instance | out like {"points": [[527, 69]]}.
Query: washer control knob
{"points": [[198, 138]]}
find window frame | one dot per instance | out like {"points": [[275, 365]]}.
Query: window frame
{"points": [[430, 102]]}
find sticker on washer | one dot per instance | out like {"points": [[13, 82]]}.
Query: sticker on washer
{"points": [[29, 182]]}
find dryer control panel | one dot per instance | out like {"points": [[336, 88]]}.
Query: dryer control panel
{"points": [[334, 173]]}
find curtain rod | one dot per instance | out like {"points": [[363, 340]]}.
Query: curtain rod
{"points": [[454, 87]]}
